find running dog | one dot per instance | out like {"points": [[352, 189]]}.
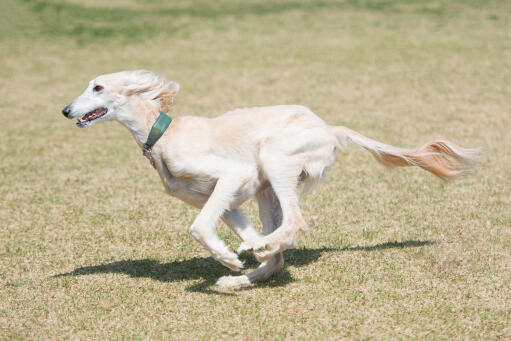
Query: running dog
{"points": [[274, 153]]}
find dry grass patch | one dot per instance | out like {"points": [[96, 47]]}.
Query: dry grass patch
{"points": [[91, 247]]}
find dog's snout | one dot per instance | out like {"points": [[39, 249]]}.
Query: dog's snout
{"points": [[66, 111]]}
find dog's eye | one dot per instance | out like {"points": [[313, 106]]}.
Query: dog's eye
{"points": [[98, 88]]}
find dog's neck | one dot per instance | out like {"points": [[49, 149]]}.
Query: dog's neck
{"points": [[139, 121]]}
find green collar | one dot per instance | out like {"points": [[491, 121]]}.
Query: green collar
{"points": [[157, 130]]}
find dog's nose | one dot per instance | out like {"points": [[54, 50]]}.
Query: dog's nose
{"points": [[66, 111]]}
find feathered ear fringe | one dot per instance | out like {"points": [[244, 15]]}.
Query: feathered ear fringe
{"points": [[155, 88], [166, 97]]}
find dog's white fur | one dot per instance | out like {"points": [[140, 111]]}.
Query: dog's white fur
{"points": [[273, 153]]}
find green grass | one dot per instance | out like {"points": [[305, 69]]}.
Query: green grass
{"points": [[92, 248]]}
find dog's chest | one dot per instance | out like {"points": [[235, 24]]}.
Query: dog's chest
{"points": [[192, 190]]}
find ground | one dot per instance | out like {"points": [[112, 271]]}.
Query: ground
{"points": [[92, 248]]}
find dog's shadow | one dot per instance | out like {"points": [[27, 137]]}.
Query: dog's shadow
{"points": [[209, 270]]}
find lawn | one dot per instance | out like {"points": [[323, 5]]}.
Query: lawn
{"points": [[92, 248]]}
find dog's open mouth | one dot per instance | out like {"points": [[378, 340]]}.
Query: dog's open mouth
{"points": [[91, 116]]}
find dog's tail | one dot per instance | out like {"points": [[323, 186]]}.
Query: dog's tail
{"points": [[440, 157]]}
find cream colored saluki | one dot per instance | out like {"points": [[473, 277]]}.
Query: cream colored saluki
{"points": [[273, 153]]}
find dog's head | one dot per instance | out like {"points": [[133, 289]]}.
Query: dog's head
{"points": [[118, 96]]}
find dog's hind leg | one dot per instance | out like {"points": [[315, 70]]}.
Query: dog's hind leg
{"points": [[270, 214], [283, 173]]}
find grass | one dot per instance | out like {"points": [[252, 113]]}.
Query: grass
{"points": [[92, 248]]}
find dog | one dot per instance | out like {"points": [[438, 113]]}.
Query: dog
{"points": [[274, 153]]}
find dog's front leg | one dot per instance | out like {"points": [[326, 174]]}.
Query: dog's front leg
{"points": [[204, 227], [242, 226]]}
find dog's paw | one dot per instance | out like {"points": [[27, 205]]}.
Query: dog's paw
{"points": [[244, 247], [233, 281], [231, 261], [264, 254], [250, 246], [270, 249]]}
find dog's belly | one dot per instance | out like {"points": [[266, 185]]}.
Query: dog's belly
{"points": [[193, 192], [196, 191], [247, 191]]}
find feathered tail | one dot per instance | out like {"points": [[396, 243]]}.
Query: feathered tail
{"points": [[440, 157]]}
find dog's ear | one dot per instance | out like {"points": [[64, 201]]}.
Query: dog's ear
{"points": [[166, 97]]}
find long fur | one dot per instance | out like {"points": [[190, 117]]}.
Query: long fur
{"points": [[273, 153], [158, 90], [440, 157]]}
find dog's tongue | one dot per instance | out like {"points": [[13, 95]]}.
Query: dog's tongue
{"points": [[92, 115]]}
